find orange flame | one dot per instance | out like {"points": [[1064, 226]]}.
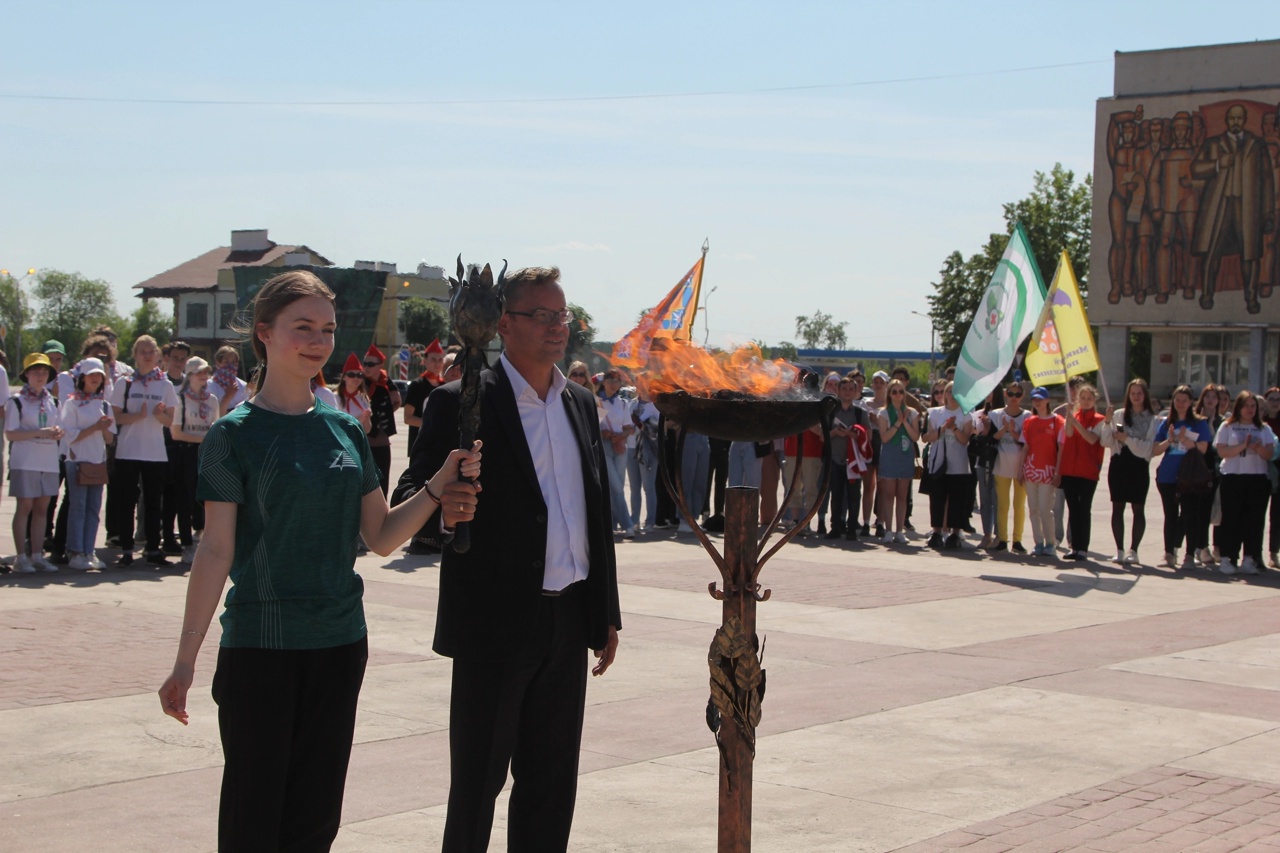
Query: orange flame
{"points": [[682, 366]]}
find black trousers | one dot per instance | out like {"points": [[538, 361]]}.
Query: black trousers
{"points": [[528, 715], [951, 506], [185, 471], [846, 498], [287, 718], [1273, 538], [1182, 519], [128, 474], [382, 458], [169, 500], [1244, 514], [1078, 492], [667, 511]]}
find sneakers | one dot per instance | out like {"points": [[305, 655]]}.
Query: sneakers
{"points": [[629, 533], [171, 547], [1000, 545], [935, 541], [22, 565], [189, 554], [1226, 566], [852, 535], [822, 527], [866, 529], [886, 538], [987, 542], [1131, 558], [684, 528], [900, 538], [79, 562], [125, 561], [157, 558], [1171, 559], [834, 534], [1076, 555], [1248, 566], [1046, 549], [879, 530], [1017, 548], [94, 562], [1189, 562], [1206, 558], [1119, 558], [953, 542], [43, 564]]}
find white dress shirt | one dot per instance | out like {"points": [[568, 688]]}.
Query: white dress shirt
{"points": [[554, 447]]}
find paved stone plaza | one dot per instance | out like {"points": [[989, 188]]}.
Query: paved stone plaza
{"points": [[916, 701]]}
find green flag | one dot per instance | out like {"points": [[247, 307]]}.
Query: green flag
{"points": [[1006, 316]]}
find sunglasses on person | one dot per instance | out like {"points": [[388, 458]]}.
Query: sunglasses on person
{"points": [[1013, 394], [577, 374], [373, 364], [354, 374], [897, 393]]}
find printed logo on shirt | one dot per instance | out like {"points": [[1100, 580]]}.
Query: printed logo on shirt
{"points": [[343, 460]]}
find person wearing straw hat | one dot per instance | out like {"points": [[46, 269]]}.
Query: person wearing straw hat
{"points": [[31, 426]]}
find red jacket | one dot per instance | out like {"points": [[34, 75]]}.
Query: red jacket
{"points": [[812, 445]]}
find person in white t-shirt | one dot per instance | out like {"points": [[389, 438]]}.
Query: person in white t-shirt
{"points": [[87, 419], [143, 405], [322, 391], [31, 425], [1245, 445], [947, 431], [197, 409]]}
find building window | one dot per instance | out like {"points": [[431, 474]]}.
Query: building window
{"points": [[1272, 361], [227, 316], [197, 315], [1221, 358]]}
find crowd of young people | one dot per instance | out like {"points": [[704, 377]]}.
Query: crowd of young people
{"points": [[996, 467], [114, 446]]}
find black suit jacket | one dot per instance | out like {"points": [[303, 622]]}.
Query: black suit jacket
{"points": [[489, 596]]}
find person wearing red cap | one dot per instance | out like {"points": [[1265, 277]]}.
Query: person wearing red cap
{"points": [[384, 399], [351, 396], [419, 389]]}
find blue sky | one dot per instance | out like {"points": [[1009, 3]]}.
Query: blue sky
{"points": [[514, 133]]}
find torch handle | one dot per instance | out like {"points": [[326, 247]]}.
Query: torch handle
{"points": [[462, 533]]}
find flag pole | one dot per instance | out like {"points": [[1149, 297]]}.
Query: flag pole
{"points": [[697, 288]]}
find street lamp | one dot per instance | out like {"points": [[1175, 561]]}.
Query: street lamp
{"points": [[933, 347], [17, 306], [706, 324]]}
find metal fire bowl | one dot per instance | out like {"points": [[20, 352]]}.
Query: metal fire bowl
{"points": [[732, 416]]}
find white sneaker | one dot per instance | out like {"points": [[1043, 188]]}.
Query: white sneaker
{"points": [[1132, 556], [189, 554], [79, 562], [887, 539], [1171, 559], [22, 565], [95, 563], [1248, 566], [900, 538], [42, 563], [1119, 557], [1206, 557], [1226, 567], [684, 528], [1189, 561]]}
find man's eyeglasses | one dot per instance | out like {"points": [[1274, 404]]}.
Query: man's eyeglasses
{"points": [[545, 316]]}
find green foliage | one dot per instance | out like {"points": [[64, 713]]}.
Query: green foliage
{"points": [[14, 314], [149, 318], [1056, 216], [424, 320], [782, 349], [581, 335], [69, 306], [821, 332], [1139, 355]]}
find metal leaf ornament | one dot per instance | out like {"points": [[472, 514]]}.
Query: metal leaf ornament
{"points": [[737, 681], [475, 307]]}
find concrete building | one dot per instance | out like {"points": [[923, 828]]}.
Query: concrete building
{"points": [[1186, 217]]}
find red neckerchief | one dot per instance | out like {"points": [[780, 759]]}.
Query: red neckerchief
{"points": [[382, 381], [226, 378], [36, 398], [84, 398], [434, 378], [151, 376], [201, 397]]}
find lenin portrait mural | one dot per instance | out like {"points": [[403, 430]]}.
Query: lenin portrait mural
{"points": [[1185, 210]]}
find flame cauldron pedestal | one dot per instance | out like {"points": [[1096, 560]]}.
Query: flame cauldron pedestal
{"points": [[737, 679]]}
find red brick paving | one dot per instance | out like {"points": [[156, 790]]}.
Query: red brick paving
{"points": [[1161, 809]]}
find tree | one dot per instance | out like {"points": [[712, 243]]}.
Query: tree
{"points": [[148, 319], [820, 331], [14, 314], [424, 320], [581, 335], [1056, 216], [70, 305]]}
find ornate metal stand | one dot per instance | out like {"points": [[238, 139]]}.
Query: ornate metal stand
{"points": [[737, 679]]}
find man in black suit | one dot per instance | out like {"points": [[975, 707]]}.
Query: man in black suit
{"points": [[538, 586]]}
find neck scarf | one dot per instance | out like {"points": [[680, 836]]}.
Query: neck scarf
{"points": [[200, 397], [28, 394], [151, 376], [84, 398], [225, 377]]}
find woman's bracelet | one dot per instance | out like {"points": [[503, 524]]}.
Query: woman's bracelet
{"points": [[426, 487]]}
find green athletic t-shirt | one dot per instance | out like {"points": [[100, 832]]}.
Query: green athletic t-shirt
{"points": [[298, 481]]}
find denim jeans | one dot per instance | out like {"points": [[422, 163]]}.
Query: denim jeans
{"points": [[643, 474], [695, 466], [85, 504], [987, 500], [617, 463], [744, 465]]}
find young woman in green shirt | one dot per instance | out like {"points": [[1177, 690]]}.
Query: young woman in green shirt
{"points": [[289, 488]]}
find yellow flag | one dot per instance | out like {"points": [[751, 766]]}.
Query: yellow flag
{"points": [[1062, 345]]}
